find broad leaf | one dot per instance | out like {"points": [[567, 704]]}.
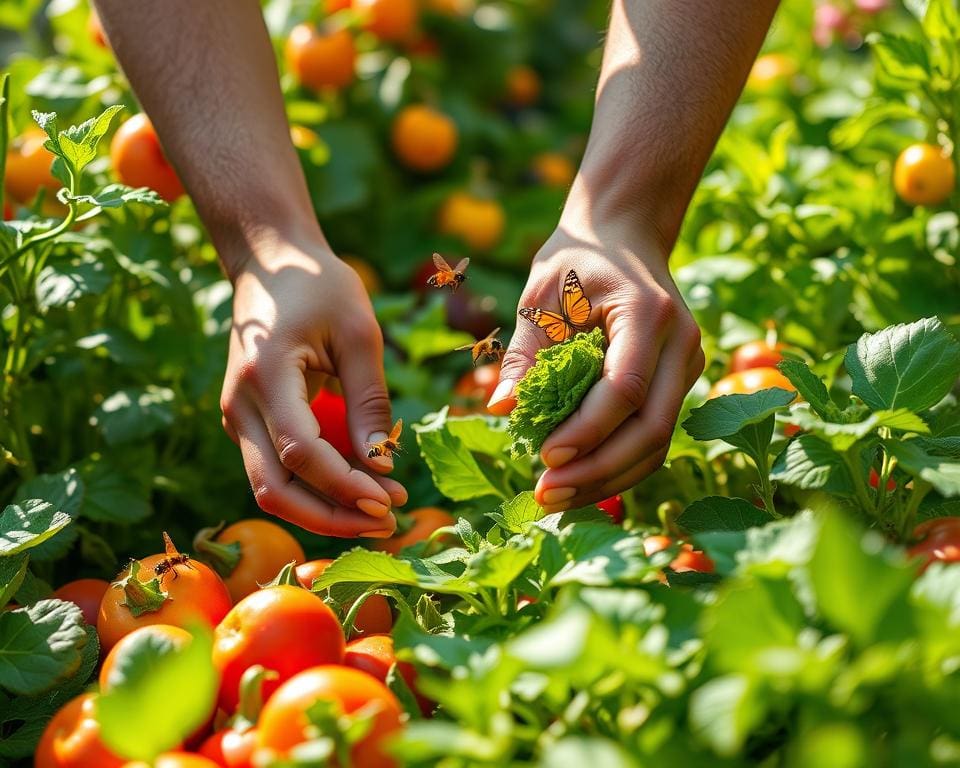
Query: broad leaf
{"points": [[812, 464], [28, 524], [111, 495], [78, 143], [841, 437], [498, 567], [719, 513], [64, 490], [61, 284], [518, 514], [724, 712], [598, 554], [942, 472], [40, 646], [811, 388], [12, 571], [133, 414], [361, 566], [904, 366]]}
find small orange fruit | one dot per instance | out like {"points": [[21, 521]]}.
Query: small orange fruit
{"points": [[390, 20], [423, 139], [924, 175], [553, 169], [321, 59], [477, 221], [28, 167], [138, 159], [770, 72], [522, 86]]}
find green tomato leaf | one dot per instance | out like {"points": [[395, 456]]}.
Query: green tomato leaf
{"points": [[133, 414], [900, 60], [361, 566], [904, 366], [29, 523], [64, 490], [112, 496], [115, 196], [811, 388], [744, 421], [63, 283], [811, 463], [12, 571], [553, 388], [517, 514], [40, 646], [150, 668], [917, 458], [498, 567], [725, 710], [584, 750], [600, 554], [718, 513], [841, 437], [78, 143]]}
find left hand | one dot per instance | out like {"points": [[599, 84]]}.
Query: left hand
{"points": [[621, 432]]}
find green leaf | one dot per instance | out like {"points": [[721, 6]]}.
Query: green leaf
{"points": [[133, 414], [29, 523], [64, 283], [600, 554], [724, 711], [841, 437], [517, 514], [812, 464], [361, 566], [78, 143], [553, 387], [584, 750], [943, 473], [941, 20], [64, 490], [901, 60], [849, 565], [150, 668], [12, 571], [718, 513], [498, 567], [811, 388], [904, 366], [455, 470], [744, 421], [112, 496], [115, 196], [448, 651], [40, 646]]}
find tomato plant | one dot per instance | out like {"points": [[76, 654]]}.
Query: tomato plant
{"points": [[71, 739], [138, 159], [374, 615], [420, 525]]}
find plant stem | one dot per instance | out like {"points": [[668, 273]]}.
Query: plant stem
{"points": [[920, 489], [766, 487]]}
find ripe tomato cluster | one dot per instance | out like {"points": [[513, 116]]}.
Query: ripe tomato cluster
{"points": [[272, 636]]}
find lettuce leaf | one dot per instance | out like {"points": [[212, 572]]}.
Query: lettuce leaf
{"points": [[553, 388]]}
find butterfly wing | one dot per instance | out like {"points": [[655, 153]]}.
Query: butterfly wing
{"points": [[441, 263], [576, 307], [461, 265], [555, 326]]}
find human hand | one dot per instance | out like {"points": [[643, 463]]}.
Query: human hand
{"points": [[621, 432], [300, 313]]}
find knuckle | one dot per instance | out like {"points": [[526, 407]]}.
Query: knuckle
{"points": [[660, 432], [631, 385], [665, 308], [250, 372], [294, 454], [267, 498]]}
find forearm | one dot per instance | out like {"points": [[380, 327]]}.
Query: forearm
{"points": [[205, 73], [672, 71]]}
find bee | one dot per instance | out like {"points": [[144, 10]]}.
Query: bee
{"points": [[172, 559], [488, 347], [386, 447], [447, 275]]}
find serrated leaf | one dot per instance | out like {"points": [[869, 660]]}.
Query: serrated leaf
{"points": [[150, 668], [518, 514], [78, 143], [498, 567], [942, 472], [811, 388], [133, 414], [723, 417], [812, 464], [40, 646], [117, 195], [598, 554], [904, 366], [361, 566], [719, 513], [841, 437], [900, 59], [28, 524]]}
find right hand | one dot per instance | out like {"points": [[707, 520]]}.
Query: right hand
{"points": [[299, 313]]}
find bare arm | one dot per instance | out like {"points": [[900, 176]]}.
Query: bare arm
{"points": [[206, 74], [672, 71]]}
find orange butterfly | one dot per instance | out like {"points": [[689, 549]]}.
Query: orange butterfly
{"points": [[386, 447], [575, 310], [447, 275]]}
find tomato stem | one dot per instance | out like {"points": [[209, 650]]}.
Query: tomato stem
{"points": [[222, 557], [141, 596]]}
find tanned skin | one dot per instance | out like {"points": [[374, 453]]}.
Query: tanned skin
{"points": [[206, 75]]}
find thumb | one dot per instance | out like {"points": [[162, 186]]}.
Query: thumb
{"points": [[360, 370], [520, 355]]}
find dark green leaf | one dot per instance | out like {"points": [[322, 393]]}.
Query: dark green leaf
{"points": [[111, 495], [28, 524], [133, 414], [725, 710], [811, 388], [943, 473], [63, 283], [812, 464], [40, 646], [718, 513], [12, 571]]}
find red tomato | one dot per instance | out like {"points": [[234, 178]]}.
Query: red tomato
{"points": [[613, 507], [747, 382], [175, 760], [72, 739], [284, 724], [939, 540], [330, 409], [177, 636], [86, 594], [756, 354], [138, 159], [264, 548], [688, 559], [875, 481], [286, 629], [196, 594], [424, 521], [475, 388], [230, 748], [374, 615], [374, 655]]}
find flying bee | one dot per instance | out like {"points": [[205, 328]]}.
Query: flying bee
{"points": [[488, 347], [447, 275], [386, 447], [171, 560]]}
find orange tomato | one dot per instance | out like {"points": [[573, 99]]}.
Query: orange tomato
{"points": [[924, 175], [332, 6], [175, 760], [86, 594], [756, 354], [474, 389], [230, 748], [938, 540], [752, 380], [553, 169], [303, 138], [28, 167], [321, 59], [286, 629], [390, 20], [138, 159], [424, 521], [284, 723], [196, 594], [688, 559], [177, 636], [72, 738], [374, 616], [771, 72], [477, 221], [522, 86], [374, 655], [368, 275], [423, 138], [264, 548]]}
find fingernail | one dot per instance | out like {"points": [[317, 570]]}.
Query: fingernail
{"points": [[557, 495], [504, 391], [557, 457], [376, 534], [384, 462], [372, 507]]}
